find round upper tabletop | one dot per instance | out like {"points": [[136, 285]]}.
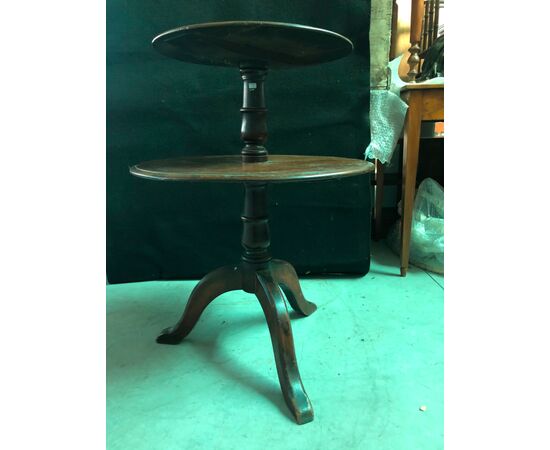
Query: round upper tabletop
{"points": [[278, 169], [252, 44]]}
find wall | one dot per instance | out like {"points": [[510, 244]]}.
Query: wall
{"points": [[380, 36]]}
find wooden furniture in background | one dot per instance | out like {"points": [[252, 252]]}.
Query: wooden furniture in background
{"points": [[424, 31], [425, 102], [254, 47], [417, 11], [430, 23]]}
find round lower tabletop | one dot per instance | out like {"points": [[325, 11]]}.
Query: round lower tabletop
{"points": [[230, 168], [253, 44]]}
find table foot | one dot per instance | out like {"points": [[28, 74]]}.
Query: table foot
{"points": [[287, 278], [271, 299], [169, 336], [224, 279], [268, 283]]}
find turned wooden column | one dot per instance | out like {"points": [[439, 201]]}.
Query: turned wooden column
{"points": [[417, 11], [255, 239], [254, 115]]}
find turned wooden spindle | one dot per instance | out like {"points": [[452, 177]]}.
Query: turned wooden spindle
{"points": [[254, 115], [417, 11], [255, 239], [431, 24], [424, 42], [436, 19]]}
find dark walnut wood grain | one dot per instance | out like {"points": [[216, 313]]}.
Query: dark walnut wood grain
{"points": [[254, 47], [252, 44], [271, 281], [278, 169], [268, 284]]}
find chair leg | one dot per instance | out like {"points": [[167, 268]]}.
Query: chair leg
{"points": [[271, 299], [379, 199], [285, 275], [411, 144], [224, 279]]}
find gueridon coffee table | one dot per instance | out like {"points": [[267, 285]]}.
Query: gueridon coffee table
{"points": [[254, 47]]}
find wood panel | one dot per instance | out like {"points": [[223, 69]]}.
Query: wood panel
{"points": [[230, 168], [432, 105], [252, 44]]}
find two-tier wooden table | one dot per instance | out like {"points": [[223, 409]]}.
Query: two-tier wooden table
{"points": [[254, 47]]}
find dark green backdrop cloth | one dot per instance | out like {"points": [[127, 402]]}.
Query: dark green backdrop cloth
{"points": [[160, 108]]}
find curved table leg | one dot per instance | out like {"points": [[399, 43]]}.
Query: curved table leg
{"points": [[271, 299], [285, 275], [224, 279]]}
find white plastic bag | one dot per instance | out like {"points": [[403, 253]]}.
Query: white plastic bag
{"points": [[427, 232]]}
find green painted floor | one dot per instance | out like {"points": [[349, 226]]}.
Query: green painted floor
{"points": [[369, 357]]}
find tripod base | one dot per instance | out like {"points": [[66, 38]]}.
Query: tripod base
{"points": [[266, 282]]}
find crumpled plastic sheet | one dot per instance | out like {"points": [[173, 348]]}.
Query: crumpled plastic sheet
{"points": [[427, 231], [387, 115]]}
